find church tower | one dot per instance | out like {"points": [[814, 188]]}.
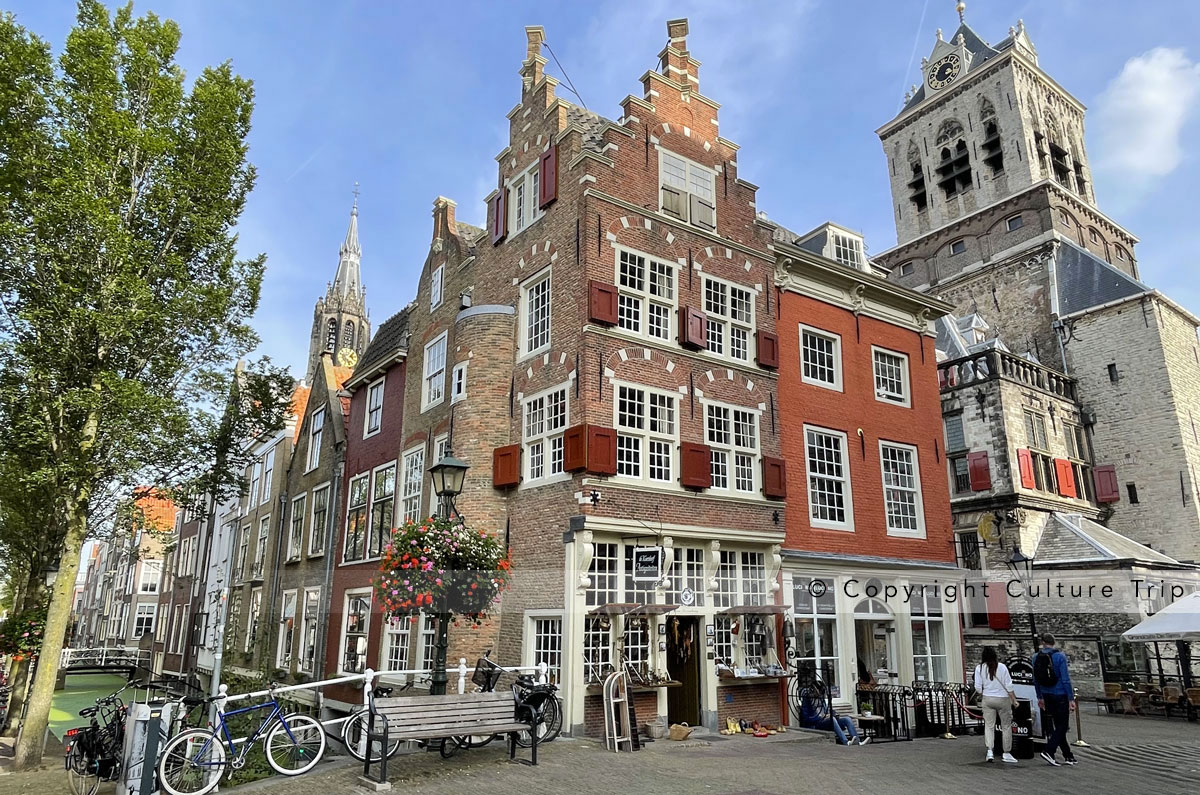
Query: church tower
{"points": [[341, 324]]}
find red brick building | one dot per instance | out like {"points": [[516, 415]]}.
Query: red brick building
{"points": [[867, 476]]}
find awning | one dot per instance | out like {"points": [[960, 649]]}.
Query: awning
{"points": [[1179, 620], [754, 610], [631, 609]]}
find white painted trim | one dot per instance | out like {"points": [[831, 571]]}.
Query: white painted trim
{"points": [[920, 532], [848, 492], [346, 595], [837, 385], [905, 377], [381, 382]]}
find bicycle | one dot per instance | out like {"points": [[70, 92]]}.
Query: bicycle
{"points": [[354, 729], [93, 752], [194, 761], [486, 676]]}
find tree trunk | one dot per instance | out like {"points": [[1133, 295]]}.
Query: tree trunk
{"points": [[33, 731], [29, 595]]}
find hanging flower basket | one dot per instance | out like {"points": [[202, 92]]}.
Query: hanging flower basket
{"points": [[439, 566]]}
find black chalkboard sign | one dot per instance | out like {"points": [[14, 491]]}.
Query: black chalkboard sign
{"points": [[647, 564]]}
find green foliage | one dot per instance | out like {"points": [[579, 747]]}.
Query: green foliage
{"points": [[21, 634]]}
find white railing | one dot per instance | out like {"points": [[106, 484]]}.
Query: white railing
{"points": [[104, 656]]}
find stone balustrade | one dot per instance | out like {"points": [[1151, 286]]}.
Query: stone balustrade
{"points": [[992, 364]]}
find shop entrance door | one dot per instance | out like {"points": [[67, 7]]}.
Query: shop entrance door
{"points": [[874, 641], [684, 649]]}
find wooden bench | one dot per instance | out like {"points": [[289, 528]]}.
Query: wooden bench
{"points": [[433, 717]]}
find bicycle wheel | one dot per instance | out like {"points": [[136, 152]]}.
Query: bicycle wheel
{"points": [[450, 745], [192, 763], [295, 744], [81, 773], [549, 726], [354, 736], [480, 740]]}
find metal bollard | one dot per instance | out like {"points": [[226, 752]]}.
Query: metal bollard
{"points": [[462, 675], [1079, 741]]}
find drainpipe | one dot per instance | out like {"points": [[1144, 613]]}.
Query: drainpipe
{"points": [[279, 530], [323, 632]]}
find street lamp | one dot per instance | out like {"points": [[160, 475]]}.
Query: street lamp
{"points": [[1021, 565], [448, 475], [51, 573]]}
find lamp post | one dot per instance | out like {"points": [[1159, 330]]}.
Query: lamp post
{"points": [[1021, 565], [448, 475]]}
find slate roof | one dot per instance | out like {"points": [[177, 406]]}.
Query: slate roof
{"points": [[592, 125], [467, 232], [1071, 538], [954, 337], [1085, 280], [980, 50], [389, 338], [814, 243]]}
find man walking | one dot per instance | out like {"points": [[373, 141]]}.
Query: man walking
{"points": [[1055, 698]]}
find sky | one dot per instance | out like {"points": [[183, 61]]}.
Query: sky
{"points": [[409, 101]]}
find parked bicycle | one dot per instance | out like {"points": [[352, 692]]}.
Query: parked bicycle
{"points": [[194, 761], [485, 678], [354, 728], [93, 753]]}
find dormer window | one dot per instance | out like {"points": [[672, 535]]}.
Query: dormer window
{"points": [[848, 251], [687, 190]]}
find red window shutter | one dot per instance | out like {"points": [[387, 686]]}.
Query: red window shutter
{"points": [[774, 477], [942, 383], [601, 450], [997, 607], [693, 328], [1025, 462], [498, 216], [768, 349], [980, 473], [575, 453], [1066, 477], [548, 177], [602, 303], [695, 466], [1107, 489], [506, 466]]}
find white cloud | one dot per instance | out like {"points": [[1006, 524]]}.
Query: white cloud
{"points": [[1140, 118]]}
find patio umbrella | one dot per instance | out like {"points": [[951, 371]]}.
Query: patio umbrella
{"points": [[1179, 620]]}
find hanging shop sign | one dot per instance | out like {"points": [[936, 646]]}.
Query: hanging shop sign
{"points": [[647, 564]]}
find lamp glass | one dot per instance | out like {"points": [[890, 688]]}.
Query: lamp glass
{"points": [[448, 475], [1019, 563]]}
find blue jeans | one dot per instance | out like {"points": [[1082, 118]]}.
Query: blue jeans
{"points": [[1058, 713], [843, 726]]}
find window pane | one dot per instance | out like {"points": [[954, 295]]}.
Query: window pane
{"points": [[826, 477], [819, 358], [537, 330]]}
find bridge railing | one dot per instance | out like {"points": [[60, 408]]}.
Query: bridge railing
{"points": [[104, 657]]}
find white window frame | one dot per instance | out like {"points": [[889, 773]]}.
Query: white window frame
{"points": [[645, 436], [375, 499], [534, 282], [374, 409], [959, 242], [139, 613], [690, 166], [523, 211], [316, 431], [918, 503], [260, 548], [726, 322], [1014, 222], [295, 546], [836, 339], [730, 450], [347, 595], [547, 437], [303, 663], [283, 649], [435, 287], [848, 486], [255, 483], [153, 568], [632, 298], [905, 398], [395, 629], [433, 383], [268, 472], [531, 651], [360, 482], [441, 443], [176, 633], [458, 381], [411, 498], [844, 246], [317, 533], [252, 618]]}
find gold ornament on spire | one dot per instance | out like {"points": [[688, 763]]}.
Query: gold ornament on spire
{"points": [[961, 9]]}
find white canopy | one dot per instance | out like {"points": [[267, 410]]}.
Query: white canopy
{"points": [[1179, 620]]}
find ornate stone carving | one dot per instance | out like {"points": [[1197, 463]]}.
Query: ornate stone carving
{"points": [[585, 550]]}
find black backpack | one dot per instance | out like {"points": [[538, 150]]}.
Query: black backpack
{"points": [[1043, 669]]}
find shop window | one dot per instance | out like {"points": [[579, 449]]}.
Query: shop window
{"points": [[816, 626], [646, 296], [597, 648], [636, 643], [545, 421], [355, 626], [547, 646], [308, 641], [687, 571], [603, 575], [636, 592], [320, 512], [723, 639], [754, 582], [928, 637], [726, 593]]}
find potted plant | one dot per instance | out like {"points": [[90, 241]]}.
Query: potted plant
{"points": [[865, 709]]}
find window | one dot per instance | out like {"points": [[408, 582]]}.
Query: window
{"points": [[1078, 453], [268, 473], [957, 247], [635, 642], [435, 372], [252, 623], [435, 287], [317, 530], [1094, 235], [151, 575], [545, 421], [754, 579], [383, 490], [239, 563], [374, 418], [902, 489], [732, 435], [1131, 489], [536, 304], [260, 550], [603, 574], [906, 269], [928, 638], [356, 517], [308, 641], [641, 593], [234, 617], [1121, 254], [175, 641], [723, 639], [255, 482], [828, 479], [1062, 216], [1113, 375], [547, 646], [1043, 464], [687, 572], [960, 474], [744, 586], [414, 476], [891, 376], [397, 636], [730, 312], [820, 358], [331, 334], [597, 648], [847, 250], [646, 297], [646, 434], [315, 432], [428, 641], [355, 625], [524, 198], [440, 445], [143, 620], [348, 335], [687, 190], [287, 631], [296, 536], [458, 382], [1035, 430], [816, 627]]}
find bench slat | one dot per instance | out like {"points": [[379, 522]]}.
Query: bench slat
{"points": [[464, 699], [455, 730], [477, 714], [425, 709]]}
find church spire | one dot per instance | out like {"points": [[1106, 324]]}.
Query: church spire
{"points": [[341, 324], [348, 280]]}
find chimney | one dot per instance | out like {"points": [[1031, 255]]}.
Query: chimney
{"points": [[675, 60], [532, 68], [443, 218]]}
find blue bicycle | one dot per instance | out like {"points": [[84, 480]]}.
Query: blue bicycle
{"points": [[194, 760]]}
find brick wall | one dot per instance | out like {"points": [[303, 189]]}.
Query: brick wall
{"points": [[645, 705], [757, 702]]}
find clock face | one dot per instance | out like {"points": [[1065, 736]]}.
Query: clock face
{"points": [[347, 357], [942, 73]]}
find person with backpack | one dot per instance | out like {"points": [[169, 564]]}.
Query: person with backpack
{"points": [[994, 684], [1056, 698]]}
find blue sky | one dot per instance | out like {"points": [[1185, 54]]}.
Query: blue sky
{"points": [[410, 100]]}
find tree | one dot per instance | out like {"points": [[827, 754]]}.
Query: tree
{"points": [[123, 302]]}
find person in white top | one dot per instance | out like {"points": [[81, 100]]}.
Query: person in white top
{"points": [[994, 683]]}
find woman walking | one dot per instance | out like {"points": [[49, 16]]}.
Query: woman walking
{"points": [[994, 682]]}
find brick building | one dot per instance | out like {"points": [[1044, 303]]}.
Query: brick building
{"points": [[181, 612]]}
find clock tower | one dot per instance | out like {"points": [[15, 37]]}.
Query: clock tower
{"points": [[341, 324]]}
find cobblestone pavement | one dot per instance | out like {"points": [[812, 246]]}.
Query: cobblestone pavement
{"points": [[1128, 755]]}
